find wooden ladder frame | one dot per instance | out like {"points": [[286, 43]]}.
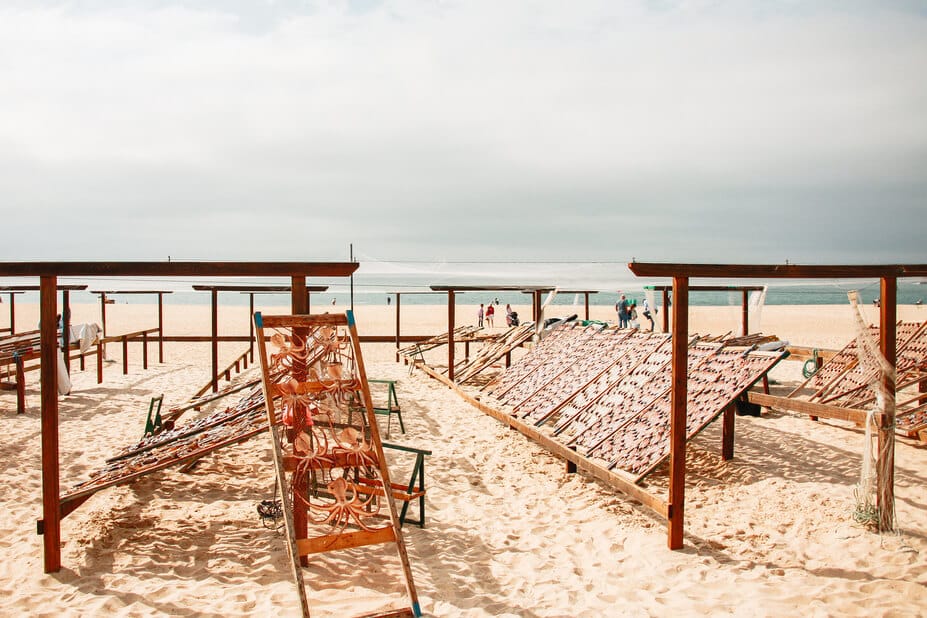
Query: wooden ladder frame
{"points": [[301, 547]]}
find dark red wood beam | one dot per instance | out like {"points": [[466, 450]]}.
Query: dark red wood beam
{"points": [[177, 269], [51, 507], [677, 469], [777, 271], [888, 315]]}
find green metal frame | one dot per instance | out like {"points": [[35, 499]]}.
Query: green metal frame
{"points": [[392, 405], [418, 474]]}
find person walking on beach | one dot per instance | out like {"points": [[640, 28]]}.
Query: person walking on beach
{"points": [[622, 308], [479, 316], [490, 312], [648, 315]]}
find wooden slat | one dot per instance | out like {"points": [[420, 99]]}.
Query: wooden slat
{"points": [[811, 408], [345, 540]]}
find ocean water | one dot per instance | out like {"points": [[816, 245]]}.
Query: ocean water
{"points": [[367, 292]]}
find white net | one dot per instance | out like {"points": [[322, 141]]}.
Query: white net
{"points": [[867, 510]]}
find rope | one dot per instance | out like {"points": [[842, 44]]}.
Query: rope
{"points": [[811, 365]]}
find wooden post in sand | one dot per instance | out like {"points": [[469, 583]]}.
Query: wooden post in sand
{"points": [[665, 311], [214, 300], [160, 327], [398, 295], [451, 300], [298, 302], [677, 469], [51, 508], [885, 466], [745, 314]]}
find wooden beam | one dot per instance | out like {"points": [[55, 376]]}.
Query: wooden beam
{"points": [[298, 302], [214, 313], [451, 307], [398, 295], [776, 271], [745, 315], [51, 505], [665, 311], [624, 485], [677, 462], [812, 409], [727, 433], [66, 328], [345, 540], [161, 327], [885, 466], [177, 269]]}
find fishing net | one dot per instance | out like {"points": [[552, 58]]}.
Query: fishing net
{"points": [[875, 462]]}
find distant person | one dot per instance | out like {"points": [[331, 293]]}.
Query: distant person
{"points": [[388, 300], [490, 313], [496, 301], [479, 316], [622, 308], [632, 316], [333, 301], [648, 315]]}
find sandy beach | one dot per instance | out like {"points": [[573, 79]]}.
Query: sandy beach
{"points": [[508, 532]]}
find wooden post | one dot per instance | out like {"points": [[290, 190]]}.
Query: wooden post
{"points": [[125, 355], [145, 350], [66, 328], [298, 300], [745, 314], [451, 301], [51, 507], [99, 363], [586, 295], [251, 325], [665, 311], [103, 316], [886, 463], [160, 327], [727, 433], [20, 385], [12, 315], [214, 301], [677, 471], [397, 326]]}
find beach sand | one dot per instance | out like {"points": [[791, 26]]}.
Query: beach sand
{"points": [[508, 532]]}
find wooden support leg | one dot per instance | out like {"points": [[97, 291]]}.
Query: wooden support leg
{"points": [[766, 383], [727, 433], [125, 356], [678, 399], [20, 386], [51, 498], [99, 363], [145, 351], [82, 361], [301, 519]]}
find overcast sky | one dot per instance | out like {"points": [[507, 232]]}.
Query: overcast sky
{"points": [[546, 130]]}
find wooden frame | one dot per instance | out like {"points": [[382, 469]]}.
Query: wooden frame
{"points": [[48, 273], [311, 352], [681, 273]]}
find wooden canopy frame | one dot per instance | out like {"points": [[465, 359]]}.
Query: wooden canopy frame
{"points": [[48, 274], [251, 290], [743, 289], [65, 312], [104, 300], [682, 273], [452, 290]]}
